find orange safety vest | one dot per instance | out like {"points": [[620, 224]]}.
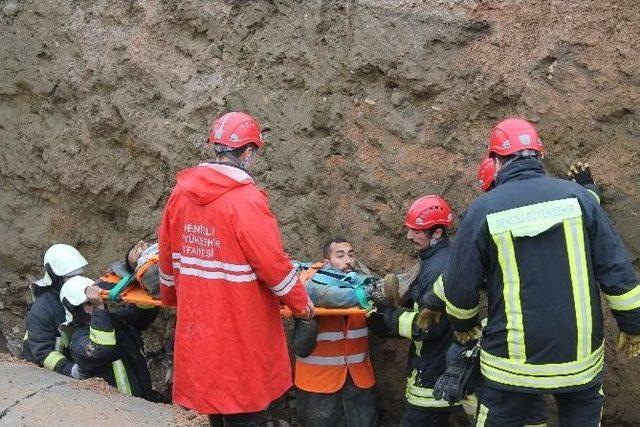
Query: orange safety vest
{"points": [[342, 346]]}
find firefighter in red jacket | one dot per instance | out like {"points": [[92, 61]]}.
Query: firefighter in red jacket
{"points": [[223, 264]]}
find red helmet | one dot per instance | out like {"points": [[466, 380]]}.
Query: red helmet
{"points": [[235, 129], [486, 173], [512, 135], [428, 211]]}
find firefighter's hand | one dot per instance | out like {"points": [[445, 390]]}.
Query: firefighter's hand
{"points": [[427, 318], [629, 344], [465, 337], [580, 173], [308, 311], [93, 295]]}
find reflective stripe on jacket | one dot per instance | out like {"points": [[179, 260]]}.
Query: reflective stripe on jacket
{"points": [[545, 248], [342, 346]]}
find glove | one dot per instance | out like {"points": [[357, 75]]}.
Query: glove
{"points": [[427, 318], [463, 369], [465, 337], [580, 173], [448, 386], [377, 321], [77, 373], [629, 344]]}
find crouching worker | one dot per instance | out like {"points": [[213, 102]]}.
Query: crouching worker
{"points": [[333, 374], [105, 343], [43, 343]]}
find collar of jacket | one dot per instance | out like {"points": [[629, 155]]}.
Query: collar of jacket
{"points": [[520, 169], [427, 253]]}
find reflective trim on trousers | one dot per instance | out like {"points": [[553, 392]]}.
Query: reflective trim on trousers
{"points": [[120, 374], [422, 396], [334, 360]]}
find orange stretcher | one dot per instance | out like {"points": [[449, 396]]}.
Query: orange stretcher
{"points": [[135, 294]]}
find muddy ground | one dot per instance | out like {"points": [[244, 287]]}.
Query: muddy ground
{"points": [[368, 104]]}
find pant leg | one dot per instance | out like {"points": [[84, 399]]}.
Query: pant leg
{"points": [[415, 416], [249, 419], [359, 405], [319, 409], [505, 408], [580, 408], [537, 416]]}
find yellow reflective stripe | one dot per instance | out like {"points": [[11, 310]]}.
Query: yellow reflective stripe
{"points": [[405, 321], [511, 295], [542, 382], [483, 413], [576, 252], [120, 374], [52, 360], [595, 195], [470, 405], [461, 313], [627, 301], [59, 346], [102, 337], [536, 425], [543, 370], [423, 397], [26, 336], [438, 289], [535, 219]]}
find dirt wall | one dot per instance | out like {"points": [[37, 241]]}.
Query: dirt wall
{"points": [[368, 104]]}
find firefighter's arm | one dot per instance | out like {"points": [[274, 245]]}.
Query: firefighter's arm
{"points": [[41, 342], [613, 269], [139, 316], [257, 232], [165, 263], [95, 347], [303, 339], [393, 322], [462, 278]]}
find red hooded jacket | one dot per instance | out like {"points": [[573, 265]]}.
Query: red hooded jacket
{"points": [[222, 263]]}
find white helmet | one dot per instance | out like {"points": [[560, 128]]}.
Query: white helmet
{"points": [[61, 260], [73, 294]]}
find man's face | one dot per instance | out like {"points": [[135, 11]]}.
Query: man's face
{"points": [[419, 238], [341, 256]]}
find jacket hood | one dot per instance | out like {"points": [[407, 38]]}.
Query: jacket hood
{"points": [[206, 182]]}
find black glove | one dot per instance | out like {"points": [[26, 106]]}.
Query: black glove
{"points": [[581, 173], [463, 370], [378, 320]]}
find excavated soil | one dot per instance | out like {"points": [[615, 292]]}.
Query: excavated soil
{"points": [[368, 105]]}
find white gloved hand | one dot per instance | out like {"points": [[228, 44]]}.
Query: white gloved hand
{"points": [[76, 372]]}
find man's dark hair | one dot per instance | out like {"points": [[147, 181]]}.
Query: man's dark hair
{"points": [[432, 230], [236, 152], [326, 249]]}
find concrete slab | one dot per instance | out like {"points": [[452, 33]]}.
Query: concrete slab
{"points": [[31, 396]]}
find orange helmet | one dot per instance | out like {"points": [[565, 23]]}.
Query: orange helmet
{"points": [[486, 173], [428, 211], [513, 135], [235, 130]]}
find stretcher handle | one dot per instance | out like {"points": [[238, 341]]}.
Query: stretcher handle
{"points": [[322, 311]]}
